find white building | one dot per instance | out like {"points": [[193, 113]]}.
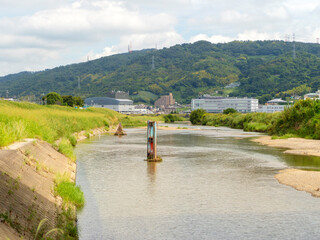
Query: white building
{"points": [[315, 95], [271, 108], [276, 101], [218, 104], [119, 105]]}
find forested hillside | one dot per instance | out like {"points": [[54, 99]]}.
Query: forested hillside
{"points": [[265, 69]]}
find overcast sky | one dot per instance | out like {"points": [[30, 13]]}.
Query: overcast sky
{"points": [[40, 34]]}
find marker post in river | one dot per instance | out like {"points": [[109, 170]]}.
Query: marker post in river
{"points": [[152, 142]]}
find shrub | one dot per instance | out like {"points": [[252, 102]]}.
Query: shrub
{"points": [[54, 98], [196, 116], [229, 111]]}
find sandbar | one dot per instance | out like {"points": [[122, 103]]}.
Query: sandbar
{"points": [[308, 181]]}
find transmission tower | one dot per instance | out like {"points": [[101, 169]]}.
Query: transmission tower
{"points": [[7, 93], [287, 38], [152, 66], [79, 83], [294, 46]]}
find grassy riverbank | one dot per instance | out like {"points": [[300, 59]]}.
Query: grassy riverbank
{"points": [[300, 120], [50, 123], [56, 125]]}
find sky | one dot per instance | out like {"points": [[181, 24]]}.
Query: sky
{"points": [[42, 34]]}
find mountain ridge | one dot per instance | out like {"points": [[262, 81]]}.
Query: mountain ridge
{"points": [[265, 69]]}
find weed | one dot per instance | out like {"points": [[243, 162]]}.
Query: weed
{"points": [[13, 185], [40, 231], [65, 147], [72, 139], [70, 193], [27, 161], [27, 152]]}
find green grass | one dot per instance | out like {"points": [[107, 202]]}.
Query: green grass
{"points": [[286, 136], [66, 148], [139, 120], [49, 123], [69, 192], [20, 120]]}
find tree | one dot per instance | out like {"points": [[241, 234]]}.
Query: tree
{"points": [[229, 111], [78, 101], [169, 118], [68, 100], [196, 116], [53, 98]]}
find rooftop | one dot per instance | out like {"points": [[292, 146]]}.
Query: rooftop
{"points": [[107, 101]]}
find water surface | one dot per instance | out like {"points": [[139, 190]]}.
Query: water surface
{"points": [[213, 183]]}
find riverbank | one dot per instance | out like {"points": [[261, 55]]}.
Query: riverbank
{"points": [[37, 164], [28, 171], [308, 181], [27, 175]]}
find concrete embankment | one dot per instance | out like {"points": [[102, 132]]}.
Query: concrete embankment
{"points": [[27, 172], [308, 181]]}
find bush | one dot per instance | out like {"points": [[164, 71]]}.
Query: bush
{"points": [[53, 98], [196, 116], [171, 118], [229, 111]]}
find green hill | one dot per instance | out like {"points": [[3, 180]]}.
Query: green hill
{"points": [[265, 69]]}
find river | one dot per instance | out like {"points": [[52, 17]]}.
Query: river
{"points": [[213, 183]]}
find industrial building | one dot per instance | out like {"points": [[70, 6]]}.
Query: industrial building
{"points": [[217, 104], [118, 95], [271, 108], [119, 105]]}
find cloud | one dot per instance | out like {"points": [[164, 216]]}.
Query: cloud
{"points": [[78, 24], [138, 42], [231, 16], [213, 39], [39, 34]]}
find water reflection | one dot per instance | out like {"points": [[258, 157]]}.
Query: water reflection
{"points": [[152, 170]]}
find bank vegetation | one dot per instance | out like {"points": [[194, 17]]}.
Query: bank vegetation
{"points": [[300, 120], [42, 172]]}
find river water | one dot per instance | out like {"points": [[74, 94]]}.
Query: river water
{"points": [[213, 183]]}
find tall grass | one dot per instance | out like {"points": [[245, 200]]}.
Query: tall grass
{"points": [[69, 192], [50, 123]]}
